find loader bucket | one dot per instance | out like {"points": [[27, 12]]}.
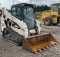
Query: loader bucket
{"points": [[39, 42]]}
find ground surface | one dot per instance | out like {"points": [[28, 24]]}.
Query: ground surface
{"points": [[8, 49]]}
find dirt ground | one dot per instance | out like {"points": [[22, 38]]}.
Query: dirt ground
{"points": [[8, 49]]}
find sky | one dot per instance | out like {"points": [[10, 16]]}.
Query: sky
{"points": [[8, 3]]}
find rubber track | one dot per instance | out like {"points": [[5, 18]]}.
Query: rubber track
{"points": [[19, 37]]}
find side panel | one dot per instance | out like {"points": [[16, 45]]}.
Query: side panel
{"points": [[22, 25], [54, 16], [44, 15], [2, 24]]}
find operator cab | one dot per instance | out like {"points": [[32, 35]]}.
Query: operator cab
{"points": [[56, 7], [24, 12]]}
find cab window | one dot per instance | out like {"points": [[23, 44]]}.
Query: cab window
{"points": [[18, 11], [54, 7], [14, 11]]}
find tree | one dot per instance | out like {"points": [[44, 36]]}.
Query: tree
{"points": [[42, 8]]}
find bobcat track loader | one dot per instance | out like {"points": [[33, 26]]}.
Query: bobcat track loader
{"points": [[20, 27]]}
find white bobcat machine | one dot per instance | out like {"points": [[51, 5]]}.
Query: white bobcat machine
{"points": [[21, 27]]}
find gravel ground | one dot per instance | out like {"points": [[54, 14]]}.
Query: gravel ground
{"points": [[8, 49]]}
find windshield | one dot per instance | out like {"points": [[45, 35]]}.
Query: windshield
{"points": [[29, 16], [30, 13]]}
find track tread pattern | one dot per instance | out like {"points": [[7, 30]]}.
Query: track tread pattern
{"points": [[19, 37]]}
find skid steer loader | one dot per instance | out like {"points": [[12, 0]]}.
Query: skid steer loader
{"points": [[20, 27]]}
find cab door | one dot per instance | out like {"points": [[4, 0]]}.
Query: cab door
{"points": [[29, 16]]}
